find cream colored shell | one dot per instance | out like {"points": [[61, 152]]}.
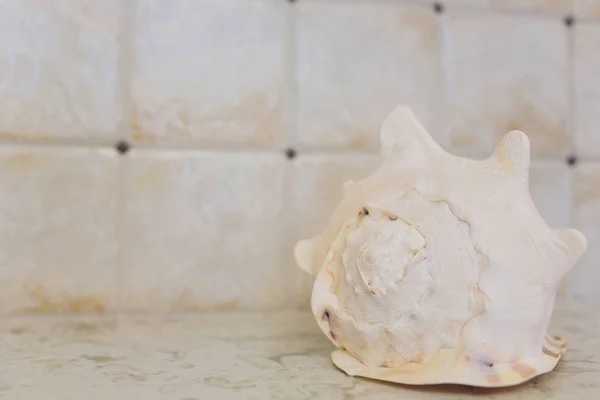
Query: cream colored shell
{"points": [[439, 269]]}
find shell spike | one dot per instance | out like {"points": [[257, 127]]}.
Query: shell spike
{"points": [[348, 186], [569, 244], [513, 153], [401, 131], [304, 254]]}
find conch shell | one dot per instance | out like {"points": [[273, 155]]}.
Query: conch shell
{"points": [[439, 269]]}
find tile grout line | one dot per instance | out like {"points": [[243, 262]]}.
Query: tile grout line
{"points": [[289, 284], [443, 48], [58, 142], [506, 12], [542, 14], [120, 272], [125, 49], [572, 108], [290, 74], [303, 151], [126, 33]]}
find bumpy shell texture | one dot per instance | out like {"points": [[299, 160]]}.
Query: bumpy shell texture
{"points": [[439, 269]]}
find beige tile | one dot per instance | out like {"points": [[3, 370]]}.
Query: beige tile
{"points": [[506, 72], [542, 6], [202, 231], [209, 72], [587, 90], [583, 280], [58, 69], [587, 9], [356, 61], [315, 188], [58, 239]]}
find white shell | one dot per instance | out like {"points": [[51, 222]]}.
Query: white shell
{"points": [[439, 269]]}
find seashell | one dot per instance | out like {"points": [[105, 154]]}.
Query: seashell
{"points": [[439, 269]]}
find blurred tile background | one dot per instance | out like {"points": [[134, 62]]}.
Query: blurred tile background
{"points": [[165, 155]]}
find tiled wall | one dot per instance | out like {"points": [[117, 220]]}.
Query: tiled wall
{"points": [[163, 155]]}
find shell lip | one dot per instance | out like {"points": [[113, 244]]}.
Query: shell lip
{"points": [[447, 368]]}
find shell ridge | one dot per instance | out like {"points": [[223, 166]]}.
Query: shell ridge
{"points": [[477, 248]]}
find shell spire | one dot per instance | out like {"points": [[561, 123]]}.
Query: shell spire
{"points": [[402, 133], [439, 269]]}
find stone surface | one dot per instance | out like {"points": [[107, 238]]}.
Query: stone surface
{"points": [[506, 72], [231, 356], [587, 90], [202, 231], [209, 72], [58, 235], [58, 69], [538, 6], [583, 280], [356, 61], [315, 187]]}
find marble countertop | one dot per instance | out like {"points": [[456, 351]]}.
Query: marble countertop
{"points": [[223, 356]]}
